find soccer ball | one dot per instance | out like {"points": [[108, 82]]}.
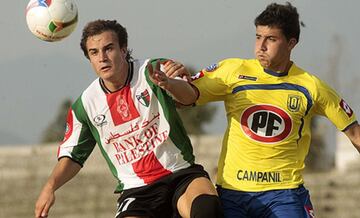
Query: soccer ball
{"points": [[51, 20]]}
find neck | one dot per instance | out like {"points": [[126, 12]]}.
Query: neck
{"points": [[281, 68], [118, 82]]}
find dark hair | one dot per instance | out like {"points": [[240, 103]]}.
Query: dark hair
{"points": [[99, 26], [284, 17]]}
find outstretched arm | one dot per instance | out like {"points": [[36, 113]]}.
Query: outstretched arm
{"points": [[64, 170], [182, 91], [353, 133]]}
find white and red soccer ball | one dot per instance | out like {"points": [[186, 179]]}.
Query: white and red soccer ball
{"points": [[51, 20]]}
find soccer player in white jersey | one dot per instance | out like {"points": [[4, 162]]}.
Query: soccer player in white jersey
{"points": [[269, 103], [129, 114]]}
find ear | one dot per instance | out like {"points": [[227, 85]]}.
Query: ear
{"points": [[292, 43], [124, 51]]}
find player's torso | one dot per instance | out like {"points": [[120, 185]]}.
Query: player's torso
{"points": [[132, 129], [268, 129]]}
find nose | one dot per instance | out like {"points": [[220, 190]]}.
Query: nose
{"points": [[262, 45], [103, 56]]}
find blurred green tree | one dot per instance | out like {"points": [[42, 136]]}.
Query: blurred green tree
{"points": [[318, 159], [54, 132], [194, 118]]}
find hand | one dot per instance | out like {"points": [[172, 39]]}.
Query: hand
{"points": [[158, 77], [44, 202], [174, 69]]}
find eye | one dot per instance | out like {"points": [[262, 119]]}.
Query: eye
{"points": [[272, 39], [109, 48], [92, 52]]}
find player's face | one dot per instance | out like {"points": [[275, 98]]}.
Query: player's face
{"points": [[272, 49], [107, 58]]}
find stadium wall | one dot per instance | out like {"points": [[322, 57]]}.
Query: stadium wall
{"points": [[24, 169]]}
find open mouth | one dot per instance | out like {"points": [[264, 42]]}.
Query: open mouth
{"points": [[105, 68]]}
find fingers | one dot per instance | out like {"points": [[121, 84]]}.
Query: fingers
{"points": [[156, 75], [42, 211], [172, 68], [43, 204], [151, 70], [157, 66], [45, 211], [175, 69]]}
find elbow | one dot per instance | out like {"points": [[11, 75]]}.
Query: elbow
{"points": [[187, 102]]}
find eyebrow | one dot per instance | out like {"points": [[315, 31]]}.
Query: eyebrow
{"points": [[106, 46], [267, 36]]}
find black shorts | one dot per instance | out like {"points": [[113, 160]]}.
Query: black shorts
{"points": [[159, 199]]}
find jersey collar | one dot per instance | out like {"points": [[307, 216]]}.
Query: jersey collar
{"points": [[127, 81], [277, 74], [273, 73]]}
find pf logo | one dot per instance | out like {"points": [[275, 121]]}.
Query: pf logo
{"points": [[266, 123]]}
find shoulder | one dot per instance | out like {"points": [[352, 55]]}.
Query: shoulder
{"points": [[235, 64], [311, 82], [92, 95], [304, 76], [140, 64], [152, 60], [92, 89], [224, 70], [232, 62], [229, 63], [87, 94]]}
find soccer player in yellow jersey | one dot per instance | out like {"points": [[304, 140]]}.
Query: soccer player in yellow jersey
{"points": [[269, 104]]}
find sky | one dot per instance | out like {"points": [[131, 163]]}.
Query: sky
{"points": [[36, 76]]}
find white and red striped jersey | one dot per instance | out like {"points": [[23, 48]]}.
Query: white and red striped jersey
{"points": [[137, 129]]}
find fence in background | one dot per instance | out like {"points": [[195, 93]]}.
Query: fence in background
{"points": [[24, 169]]}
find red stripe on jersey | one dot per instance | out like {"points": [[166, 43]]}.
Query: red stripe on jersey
{"points": [[122, 107], [58, 152], [69, 126], [68, 129], [149, 168]]}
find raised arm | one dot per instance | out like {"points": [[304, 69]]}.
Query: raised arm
{"points": [[353, 133], [63, 171]]}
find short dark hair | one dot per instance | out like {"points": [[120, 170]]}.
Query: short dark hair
{"points": [[284, 17], [99, 26]]}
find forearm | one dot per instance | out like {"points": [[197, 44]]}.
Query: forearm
{"points": [[353, 133], [356, 145], [64, 170], [181, 91]]}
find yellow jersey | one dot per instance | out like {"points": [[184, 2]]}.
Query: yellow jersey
{"points": [[269, 121]]}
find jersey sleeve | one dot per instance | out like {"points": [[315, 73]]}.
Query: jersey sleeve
{"points": [[332, 106], [213, 82], [78, 141]]}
